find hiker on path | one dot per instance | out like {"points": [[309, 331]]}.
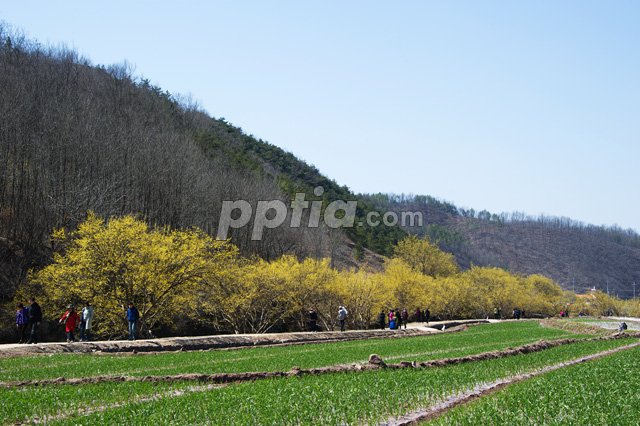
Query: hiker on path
{"points": [[342, 316], [22, 322], [381, 320], [35, 318], [405, 317], [85, 322], [70, 320], [132, 316], [418, 314], [313, 317]]}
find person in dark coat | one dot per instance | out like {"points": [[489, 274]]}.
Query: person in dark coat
{"points": [[35, 318], [404, 316], [427, 315], [313, 318], [22, 322], [382, 320]]}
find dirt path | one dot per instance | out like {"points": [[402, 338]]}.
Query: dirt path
{"points": [[173, 344]]}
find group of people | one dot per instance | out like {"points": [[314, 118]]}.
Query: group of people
{"points": [[70, 319], [515, 314], [28, 320], [398, 318], [313, 318]]}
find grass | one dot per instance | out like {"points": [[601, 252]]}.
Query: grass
{"points": [[354, 398], [601, 392], [329, 399]]}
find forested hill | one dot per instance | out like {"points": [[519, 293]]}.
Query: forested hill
{"points": [[570, 252], [76, 138]]}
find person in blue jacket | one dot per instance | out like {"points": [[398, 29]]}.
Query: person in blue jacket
{"points": [[132, 316], [22, 322]]}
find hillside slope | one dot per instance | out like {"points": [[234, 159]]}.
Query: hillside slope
{"points": [[76, 137], [572, 253]]}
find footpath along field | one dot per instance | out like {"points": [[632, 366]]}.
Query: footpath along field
{"points": [[334, 383]]}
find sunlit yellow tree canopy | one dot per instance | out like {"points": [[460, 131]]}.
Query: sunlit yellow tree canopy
{"points": [[425, 257], [181, 279], [111, 264]]}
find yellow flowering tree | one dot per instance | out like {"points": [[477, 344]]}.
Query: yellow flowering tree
{"points": [[425, 257], [111, 263], [405, 287]]}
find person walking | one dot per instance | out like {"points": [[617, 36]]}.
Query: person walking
{"points": [[342, 316], [70, 319], [35, 318], [132, 316], [22, 322], [427, 315], [418, 314], [85, 321], [381, 320], [404, 316], [313, 318]]}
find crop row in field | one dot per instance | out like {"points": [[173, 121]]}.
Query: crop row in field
{"points": [[331, 399], [601, 392], [481, 338], [371, 397], [375, 362]]}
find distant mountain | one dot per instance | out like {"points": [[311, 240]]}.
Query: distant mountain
{"points": [[574, 254]]}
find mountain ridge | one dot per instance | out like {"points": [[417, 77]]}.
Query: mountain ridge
{"points": [[576, 255]]}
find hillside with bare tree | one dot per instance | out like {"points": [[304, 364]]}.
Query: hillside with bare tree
{"points": [[576, 255]]}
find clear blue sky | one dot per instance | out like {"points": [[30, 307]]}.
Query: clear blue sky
{"points": [[498, 105]]}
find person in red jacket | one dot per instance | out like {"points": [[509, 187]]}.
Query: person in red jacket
{"points": [[71, 320]]}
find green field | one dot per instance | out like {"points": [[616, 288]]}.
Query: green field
{"points": [[601, 392], [371, 397]]}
